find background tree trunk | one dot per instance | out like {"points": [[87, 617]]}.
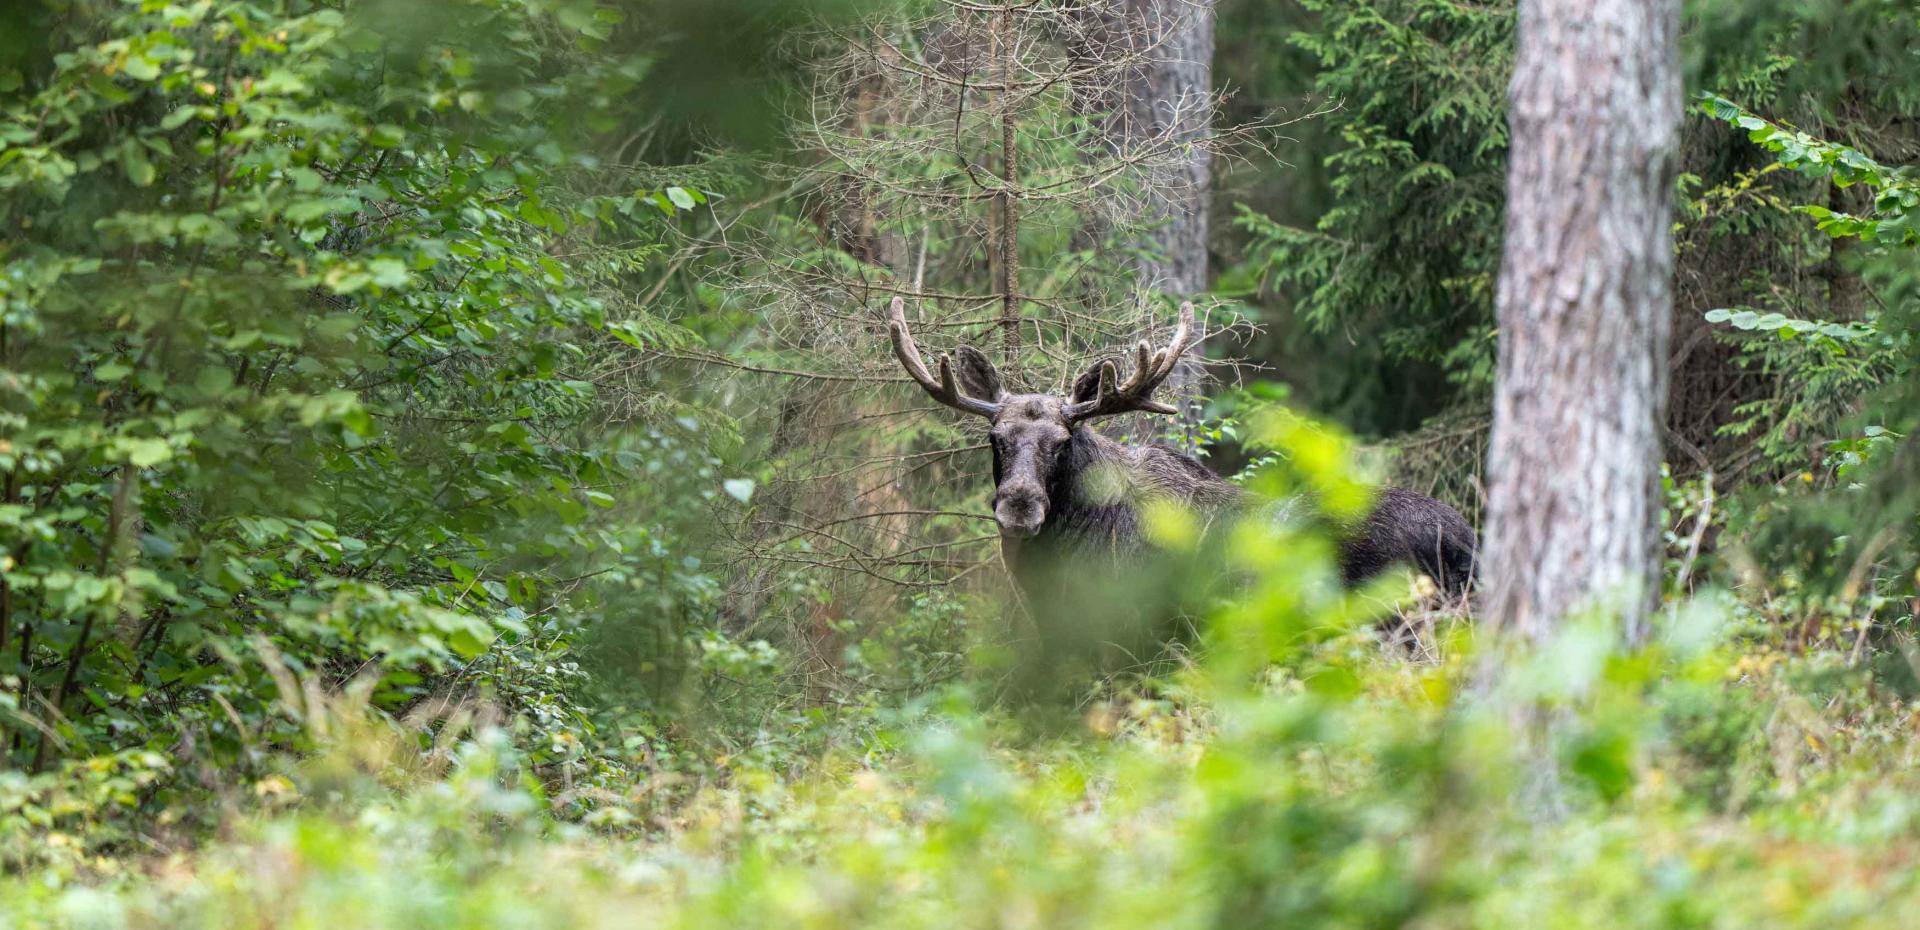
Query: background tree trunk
{"points": [[1166, 94], [1171, 92], [1584, 306]]}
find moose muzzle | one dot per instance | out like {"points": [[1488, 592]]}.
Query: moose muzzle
{"points": [[1020, 512]]}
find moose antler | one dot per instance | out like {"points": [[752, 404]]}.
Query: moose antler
{"points": [[1149, 370], [944, 390]]}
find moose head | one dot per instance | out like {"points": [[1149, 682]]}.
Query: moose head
{"points": [[1031, 434]]}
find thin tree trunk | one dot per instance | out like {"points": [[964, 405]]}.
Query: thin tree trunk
{"points": [[1846, 292], [1584, 305], [117, 549], [6, 597], [1169, 95], [1004, 39]]}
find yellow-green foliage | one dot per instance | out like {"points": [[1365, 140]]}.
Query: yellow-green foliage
{"points": [[1708, 780]]}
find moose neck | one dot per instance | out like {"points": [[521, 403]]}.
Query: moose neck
{"points": [[1094, 499], [1079, 509]]}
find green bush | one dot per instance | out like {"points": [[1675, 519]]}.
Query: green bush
{"points": [[1707, 783], [319, 363]]}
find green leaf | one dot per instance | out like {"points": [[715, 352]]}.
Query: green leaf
{"points": [[1603, 762], [178, 117], [146, 453], [140, 68], [305, 180], [681, 198], [388, 272], [577, 17], [198, 675], [358, 422], [139, 168], [345, 279], [468, 643], [386, 136], [213, 379]]}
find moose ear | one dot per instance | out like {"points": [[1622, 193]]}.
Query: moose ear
{"points": [[977, 375], [1087, 385]]}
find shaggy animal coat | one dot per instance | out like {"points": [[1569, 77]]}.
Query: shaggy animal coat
{"points": [[1095, 491]]}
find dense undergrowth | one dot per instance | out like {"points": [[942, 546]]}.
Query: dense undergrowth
{"points": [[1714, 781]]}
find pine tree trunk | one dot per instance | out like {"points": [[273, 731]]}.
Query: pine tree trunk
{"points": [[1169, 94], [1584, 305]]}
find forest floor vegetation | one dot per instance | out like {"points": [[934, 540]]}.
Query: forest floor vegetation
{"points": [[1719, 777]]}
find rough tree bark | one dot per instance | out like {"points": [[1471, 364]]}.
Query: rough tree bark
{"points": [[1584, 305], [1169, 91]]}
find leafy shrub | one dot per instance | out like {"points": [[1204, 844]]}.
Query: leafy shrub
{"points": [[1310, 779], [1844, 405], [319, 365]]}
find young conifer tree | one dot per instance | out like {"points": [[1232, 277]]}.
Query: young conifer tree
{"points": [[977, 162]]}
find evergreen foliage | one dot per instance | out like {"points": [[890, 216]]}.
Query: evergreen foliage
{"points": [[1406, 255]]}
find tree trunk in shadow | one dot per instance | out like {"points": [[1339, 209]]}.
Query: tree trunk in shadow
{"points": [[1167, 93]]}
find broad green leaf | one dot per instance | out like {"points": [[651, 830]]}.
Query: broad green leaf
{"points": [[388, 272], [139, 68], [146, 453], [140, 169], [386, 135]]}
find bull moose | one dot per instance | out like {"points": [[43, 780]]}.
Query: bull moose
{"points": [[1045, 454]]}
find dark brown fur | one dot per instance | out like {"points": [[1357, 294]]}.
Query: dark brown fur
{"points": [[1089, 520]]}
